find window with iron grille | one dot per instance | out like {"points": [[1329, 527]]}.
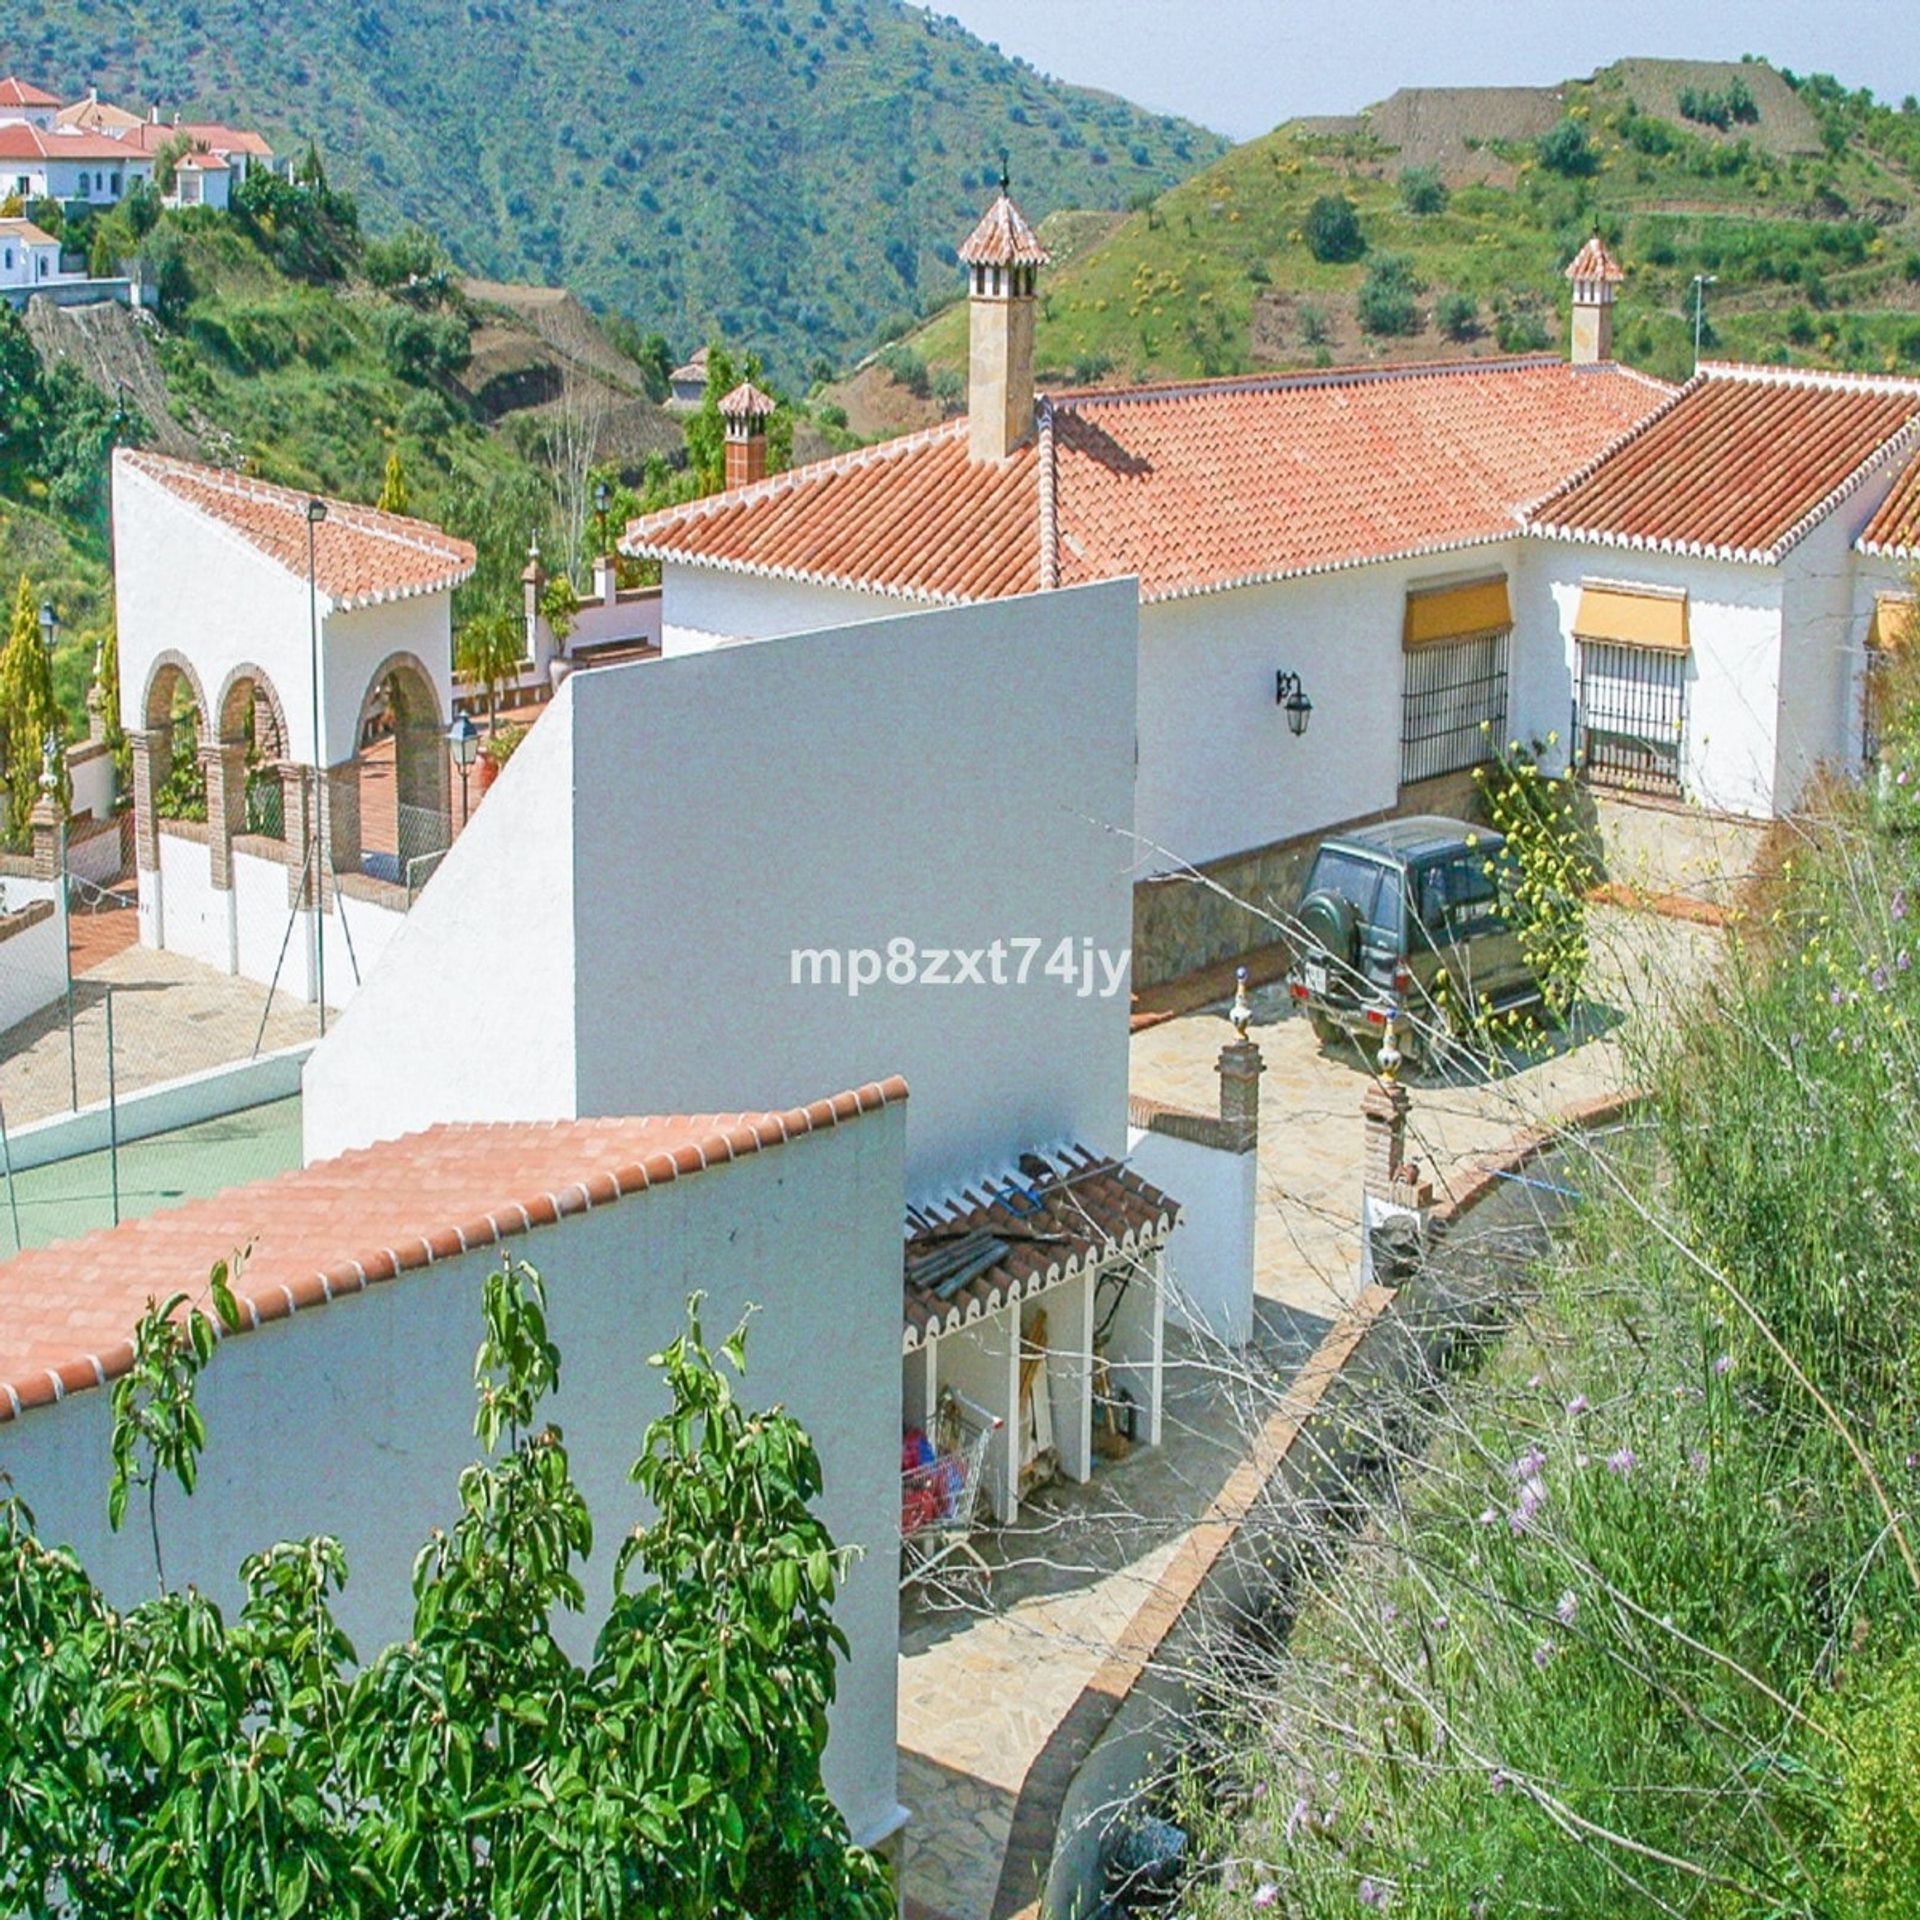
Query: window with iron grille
{"points": [[1631, 715], [1453, 707]]}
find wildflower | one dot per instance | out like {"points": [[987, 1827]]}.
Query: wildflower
{"points": [[1623, 1461], [1898, 906], [1441, 1622], [1882, 979], [1543, 1653], [1697, 1460], [1567, 1608], [1578, 1405], [1488, 1517], [1528, 1466], [1265, 1894], [1532, 1497], [1724, 1365], [1497, 1782], [1297, 1819], [1370, 1893], [1837, 998], [1903, 960]]}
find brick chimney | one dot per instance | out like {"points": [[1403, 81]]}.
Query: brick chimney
{"points": [[1594, 273], [746, 411], [1002, 256]]}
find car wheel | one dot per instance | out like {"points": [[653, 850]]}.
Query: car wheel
{"points": [[1328, 1032]]}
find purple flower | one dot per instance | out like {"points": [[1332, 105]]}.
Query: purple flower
{"points": [[1265, 1894], [1837, 998], [1497, 1780], [1697, 1460], [1441, 1623], [1532, 1497], [1578, 1405], [1898, 908], [1623, 1461], [1488, 1516], [1724, 1365], [1297, 1819], [1902, 960], [1568, 1608], [1543, 1653], [1370, 1893], [1528, 1466], [1882, 979]]}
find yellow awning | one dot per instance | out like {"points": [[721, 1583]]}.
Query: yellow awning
{"points": [[1453, 612], [1893, 621], [1633, 617]]}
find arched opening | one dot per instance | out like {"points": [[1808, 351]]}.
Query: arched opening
{"points": [[253, 733], [403, 783], [174, 717]]}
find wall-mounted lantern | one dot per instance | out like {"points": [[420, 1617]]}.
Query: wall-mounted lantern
{"points": [[1290, 694]]}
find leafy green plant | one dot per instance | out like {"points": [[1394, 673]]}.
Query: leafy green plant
{"points": [[1388, 300], [490, 650], [1567, 150], [1457, 315], [1422, 191], [1333, 231]]}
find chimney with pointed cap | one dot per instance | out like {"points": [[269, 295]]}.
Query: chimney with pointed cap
{"points": [[1594, 273], [746, 411], [1002, 256]]}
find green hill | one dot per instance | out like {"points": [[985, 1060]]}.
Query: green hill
{"points": [[1798, 197], [786, 173]]}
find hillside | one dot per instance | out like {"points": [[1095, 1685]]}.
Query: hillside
{"points": [[1803, 204], [787, 173]]}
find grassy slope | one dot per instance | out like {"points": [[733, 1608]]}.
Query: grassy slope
{"points": [[787, 171], [1174, 290]]}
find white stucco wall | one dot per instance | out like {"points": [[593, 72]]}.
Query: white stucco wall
{"points": [[1733, 669], [1209, 1258], [378, 1389], [188, 585], [470, 1014], [702, 607], [947, 778], [33, 968]]}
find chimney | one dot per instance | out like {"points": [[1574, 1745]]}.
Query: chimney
{"points": [[1594, 273], [1002, 256], [746, 411]]}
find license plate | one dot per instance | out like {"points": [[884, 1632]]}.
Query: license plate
{"points": [[1316, 977]]}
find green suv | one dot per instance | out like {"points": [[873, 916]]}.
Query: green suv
{"points": [[1387, 910]]}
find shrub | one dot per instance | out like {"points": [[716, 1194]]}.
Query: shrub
{"points": [[1422, 191], [1315, 327], [1879, 1809], [1457, 315], [907, 368], [1567, 150], [1387, 302], [1521, 330], [420, 347], [1333, 229]]}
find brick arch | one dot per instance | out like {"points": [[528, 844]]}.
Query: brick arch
{"points": [[405, 807], [247, 689], [156, 702], [407, 671]]}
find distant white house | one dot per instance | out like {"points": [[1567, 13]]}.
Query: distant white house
{"points": [[24, 104], [687, 385], [68, 165], [28, 257]]}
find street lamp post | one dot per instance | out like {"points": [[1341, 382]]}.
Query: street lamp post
{"points": [[463, 738], [316, 512], [602, 499], [1701, 282], [50, 786]]}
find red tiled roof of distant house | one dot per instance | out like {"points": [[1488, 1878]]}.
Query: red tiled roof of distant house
{"points": [[360, 554], [1594, 262], [206, 136], [18, 141], [1194, 488], [68, 1312], [1739, 464], [1083, 1211], [747, 402], [15, 92], [1003, 239]]}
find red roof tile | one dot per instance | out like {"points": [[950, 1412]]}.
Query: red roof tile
{"points": [[1895, 529], [1193, 488], [67, 1312], [1739, 464], [1003, 239], [1594, 262], [360, 554], [15, 92], [747, 402], [207, 135], [18, 141], [1090, 1210]]}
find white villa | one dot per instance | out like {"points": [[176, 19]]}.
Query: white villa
{"points": [[1679, 585], [28, 257]]}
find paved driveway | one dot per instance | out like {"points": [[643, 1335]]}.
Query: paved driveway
{"points": [[1310, 1129]]}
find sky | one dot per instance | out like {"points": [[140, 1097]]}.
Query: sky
{"points": [[1243, 66]]}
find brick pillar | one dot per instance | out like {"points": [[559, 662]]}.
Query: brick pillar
{"points": [[1240, 1068], [152, 760], [1384, 1109], [226, 770], [296, 788], [340, 817], [47, 820]]}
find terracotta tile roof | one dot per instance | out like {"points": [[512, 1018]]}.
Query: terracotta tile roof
{"points": [[18, 141], [1594, 262], [1193, 488], [1090, 1210], [26, 231], [1739, 464], [15, 92], [1894, 531], [67, 1312], [207, 135], [96, 113], [361, 555], [747, 402], [1003, 239]]}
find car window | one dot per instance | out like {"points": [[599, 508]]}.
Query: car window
{"points": [[1460, 896], [1355, 880]]}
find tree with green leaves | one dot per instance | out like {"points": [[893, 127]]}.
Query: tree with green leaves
{"points": [[394, 497], [707, 432], [168, 1762], [29, 715], [1333, 229], [491, 647]]}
